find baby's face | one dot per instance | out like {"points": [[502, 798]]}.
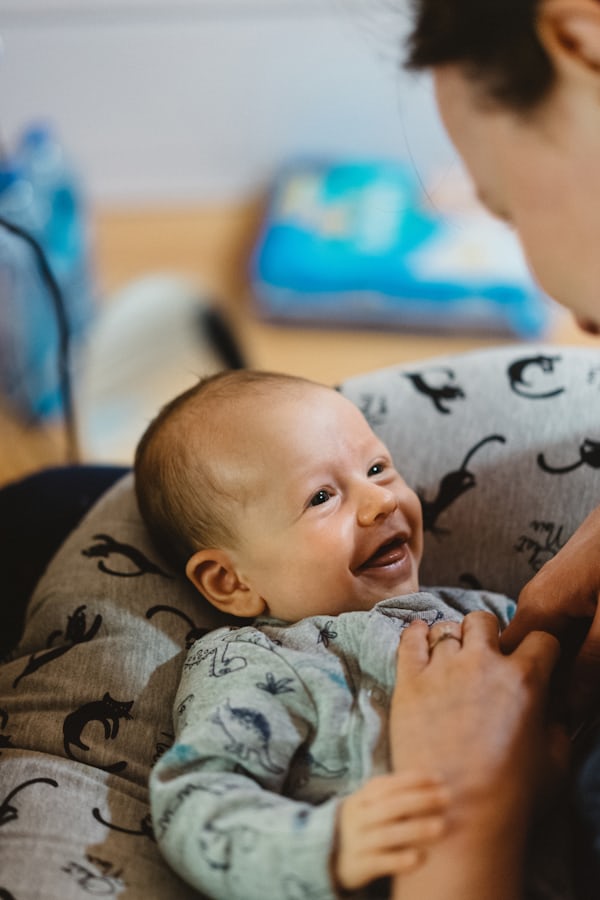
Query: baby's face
{"points": [[325, 523]]}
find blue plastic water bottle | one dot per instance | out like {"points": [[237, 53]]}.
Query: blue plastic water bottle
{"points": [[29, 341], [40, 195], [65, 228]]}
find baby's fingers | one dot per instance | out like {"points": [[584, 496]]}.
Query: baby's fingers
{"points": [[407, 834], [392, 850], [379, 786], [366, 867], [396, 862], [408, 804], [387, 798], [383, 826]]}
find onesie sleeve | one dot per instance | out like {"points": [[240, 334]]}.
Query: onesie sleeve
{"points": [[219, 806]]}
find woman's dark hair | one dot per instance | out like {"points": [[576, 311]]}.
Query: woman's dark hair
{"points": [[495, 41]]}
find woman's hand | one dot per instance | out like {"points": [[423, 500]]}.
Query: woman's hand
{"points": [[474, 715], [478, 718], [563, 599]]}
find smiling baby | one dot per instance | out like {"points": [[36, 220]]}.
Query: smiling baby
{"points": [[286, 511]]}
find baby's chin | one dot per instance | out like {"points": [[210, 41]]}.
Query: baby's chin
{"points": [[403, 589], [406, 583]]}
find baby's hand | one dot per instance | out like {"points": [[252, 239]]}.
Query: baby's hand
{"points": [[383, 826]]}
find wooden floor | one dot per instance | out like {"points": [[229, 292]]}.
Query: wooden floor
{"points": [[212, 246]]}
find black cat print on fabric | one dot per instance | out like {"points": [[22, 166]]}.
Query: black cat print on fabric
{"points": [[589, 455], [5, 739], [109, 713], [194, 632], [108, 547], [530, 377], [144, 830], [76, 632], [374, 408], [439, 394], [10, 812], [452, 486]]}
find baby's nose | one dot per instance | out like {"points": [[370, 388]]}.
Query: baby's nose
{"points": [[376, 502]]}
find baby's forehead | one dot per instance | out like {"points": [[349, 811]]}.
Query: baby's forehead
{"points": [[243, 415], [261, 403], [264, 438], [257, 414]]}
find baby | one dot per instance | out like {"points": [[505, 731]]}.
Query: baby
{"points": [[286, 509]]}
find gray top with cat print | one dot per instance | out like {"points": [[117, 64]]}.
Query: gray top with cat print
{"points": [[274, 723]]}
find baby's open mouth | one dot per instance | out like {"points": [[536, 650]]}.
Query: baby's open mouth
{"points": [[389, 552]]}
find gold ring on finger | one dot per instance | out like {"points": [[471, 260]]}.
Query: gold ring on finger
{"points": [[444, 636]]}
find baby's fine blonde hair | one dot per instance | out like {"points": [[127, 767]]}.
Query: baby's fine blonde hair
{"points": [[183, 506]]}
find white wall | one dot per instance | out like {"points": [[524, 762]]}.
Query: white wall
{"points": [[202, 99]]}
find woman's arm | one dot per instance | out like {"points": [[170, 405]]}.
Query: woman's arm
{"points": [[479, 717], [467, 867]]}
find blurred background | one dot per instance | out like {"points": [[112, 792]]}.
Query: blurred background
{"points": [[225, 182]]}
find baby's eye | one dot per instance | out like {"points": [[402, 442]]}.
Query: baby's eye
{"points": [[321, 496], [376, 469]]}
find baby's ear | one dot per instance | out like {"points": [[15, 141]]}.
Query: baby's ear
{"points": [[213, 573]]}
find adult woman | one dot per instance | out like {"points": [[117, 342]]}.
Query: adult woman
{"points": [[518, 87]]}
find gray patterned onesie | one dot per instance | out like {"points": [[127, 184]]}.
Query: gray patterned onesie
{"points": [[275, 723]]}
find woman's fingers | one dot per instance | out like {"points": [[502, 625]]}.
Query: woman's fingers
{"points": [[413, 651], [585, 681], [445, 638], [538, 653], [481, 629], [420, 645]]}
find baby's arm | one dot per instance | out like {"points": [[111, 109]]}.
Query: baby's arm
{"points": [[219, 809], [384, 826]]}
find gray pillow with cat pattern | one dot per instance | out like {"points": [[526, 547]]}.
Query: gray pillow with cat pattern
{"points": [[503, 447]]}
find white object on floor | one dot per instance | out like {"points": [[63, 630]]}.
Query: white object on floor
{"points": [[151, 340]]}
